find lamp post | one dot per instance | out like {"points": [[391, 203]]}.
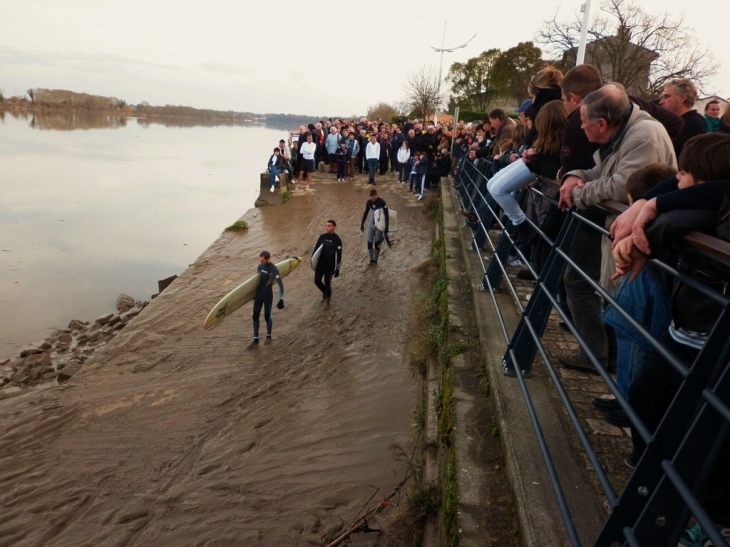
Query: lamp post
{"points": [[443, 50], [581, 55]]}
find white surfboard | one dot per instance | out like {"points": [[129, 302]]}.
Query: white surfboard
{"points": [[315, 256], [379, 217], [244, 293]]}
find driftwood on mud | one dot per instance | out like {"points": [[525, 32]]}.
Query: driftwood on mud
{"points": [[361, 524]]}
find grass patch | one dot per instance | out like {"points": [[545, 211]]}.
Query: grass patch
{"points": [[285, 196], [237, 226]]}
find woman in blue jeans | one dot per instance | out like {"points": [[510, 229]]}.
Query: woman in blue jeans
{"points": [[544, 87]]}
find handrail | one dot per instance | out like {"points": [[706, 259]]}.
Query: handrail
{"points": [[669, 474]]}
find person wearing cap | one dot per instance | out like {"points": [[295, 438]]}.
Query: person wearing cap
{"points": [[521, 110]]}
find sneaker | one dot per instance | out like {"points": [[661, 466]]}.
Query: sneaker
{"points": [[631, 461], [697, 537], [267, 341], [326, 304], [515, 263], [419, 197], [254, 343]]}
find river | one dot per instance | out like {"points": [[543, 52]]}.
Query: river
{"points": [[93, 206]]}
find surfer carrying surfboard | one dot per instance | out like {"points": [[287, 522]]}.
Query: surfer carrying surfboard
{"points": [[328, 252], [268, 274], [375, 236]]}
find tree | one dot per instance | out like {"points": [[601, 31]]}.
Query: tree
{"points": [[514, 69], [472, 83], [423, 92], [640, 50], [382, 110]]}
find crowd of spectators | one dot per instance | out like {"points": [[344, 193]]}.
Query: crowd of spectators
{"points": [[418, 154], [670, 165]]}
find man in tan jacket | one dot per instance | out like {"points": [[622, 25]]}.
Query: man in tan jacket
{"points": [[629, 139]]}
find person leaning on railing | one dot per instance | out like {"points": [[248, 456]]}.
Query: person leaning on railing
{"points": [[628, 139], [676, 207]]}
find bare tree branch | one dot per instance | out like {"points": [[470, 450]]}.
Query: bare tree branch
{"points": [[638, 49], [423, 92]]}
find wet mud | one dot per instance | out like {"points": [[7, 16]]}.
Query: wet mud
{"points": [[173, 435]]}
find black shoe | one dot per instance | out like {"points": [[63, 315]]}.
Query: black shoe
{"points": [[617, 417], [632, 461], [606, 404], [525, 275], [563, 325], [573, 360], [523, 234]]}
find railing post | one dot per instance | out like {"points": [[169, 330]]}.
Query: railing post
{"points": [[539, 307], [642, 485]]}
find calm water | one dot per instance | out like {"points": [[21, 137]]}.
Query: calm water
{"points": [[95, 206]]}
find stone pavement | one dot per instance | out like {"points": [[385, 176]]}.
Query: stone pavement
{"points": [[540, 520]]}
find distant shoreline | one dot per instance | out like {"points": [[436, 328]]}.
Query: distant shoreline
{"points": [[120, 113]]}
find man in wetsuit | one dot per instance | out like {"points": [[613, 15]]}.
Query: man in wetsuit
{"points": [[268, 273], [329, 261], [375, 236]]}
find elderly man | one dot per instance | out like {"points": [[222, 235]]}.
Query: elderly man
{"points": [[577, 152], [331, 144], [628, 139], [679, 96]]}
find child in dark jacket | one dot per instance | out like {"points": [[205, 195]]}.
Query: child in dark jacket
{"points": [[343, 157], [412, 180], [421, 176]]}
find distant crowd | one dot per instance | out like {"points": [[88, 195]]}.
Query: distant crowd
{"points": [[418, 156]]}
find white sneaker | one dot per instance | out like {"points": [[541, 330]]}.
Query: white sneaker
{"points": [[276, 178], [272, 189], [420, 197]]}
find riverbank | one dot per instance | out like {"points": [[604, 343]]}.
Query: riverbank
{"points": [[172, 432]]}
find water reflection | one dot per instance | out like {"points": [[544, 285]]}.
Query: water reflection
{"points": [[85, 119], [86, 215]]}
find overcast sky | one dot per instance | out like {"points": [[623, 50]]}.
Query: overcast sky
{"points": [[321, 57]]}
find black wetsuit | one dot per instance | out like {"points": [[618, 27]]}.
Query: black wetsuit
{"points": [[329, 261], [268, 273], [375, 236]]}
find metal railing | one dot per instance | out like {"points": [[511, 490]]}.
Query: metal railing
{"points": [[662, 492]]}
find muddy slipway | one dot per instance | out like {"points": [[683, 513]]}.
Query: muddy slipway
{"points": [[178, 436]]}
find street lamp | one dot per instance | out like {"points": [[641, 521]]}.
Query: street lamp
{"points": [[443, 50], [586, 11]]}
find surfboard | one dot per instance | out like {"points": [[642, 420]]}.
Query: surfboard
{"points": [[244, 293], [379, 217], [315, 256]]}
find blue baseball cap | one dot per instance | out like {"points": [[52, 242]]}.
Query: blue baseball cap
{"points": [[524, 106]]}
